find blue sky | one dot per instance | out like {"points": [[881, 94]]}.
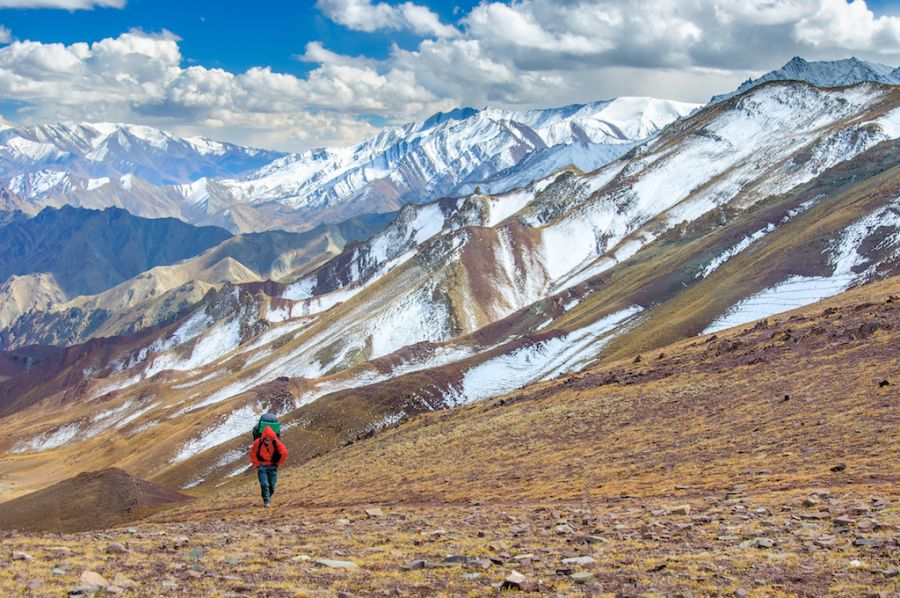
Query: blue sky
{"points": [[298, 74], [226, 34]]}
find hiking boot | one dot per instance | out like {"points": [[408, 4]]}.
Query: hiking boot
{"points": [[267, 504]]}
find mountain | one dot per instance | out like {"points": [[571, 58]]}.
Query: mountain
{"points": [[828, 73], [86, 251], [36, 158], [154, 174], [710, 466], [93, 500], [161, 292], [768, 201], [442, 156]]}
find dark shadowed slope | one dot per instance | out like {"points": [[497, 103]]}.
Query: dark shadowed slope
{"points": [[89, 251], [90, 500]]}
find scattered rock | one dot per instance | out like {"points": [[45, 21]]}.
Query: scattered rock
{"points": [[811, 501], [123, 582], [839, 467], [84, 590], [92, 578], [517, 581], [564, 529], [195, 554], [413, 565], [117, 548], [582, 577], [374, 513], [480, 563], [680, 510], [579, 560], [883, 383], [21, 556], [333, 564]]}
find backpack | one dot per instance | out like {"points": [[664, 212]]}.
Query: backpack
{"points": [[267, 421]]}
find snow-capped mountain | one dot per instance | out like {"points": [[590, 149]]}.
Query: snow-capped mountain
{"points": [[155, 174], [826, 73], [779, 198], [446, 155], [36, 159]]}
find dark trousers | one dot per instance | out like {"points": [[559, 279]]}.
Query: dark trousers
{"points": [[268, 476]]}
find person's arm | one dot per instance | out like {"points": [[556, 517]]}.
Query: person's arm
{"points": [[282, 451], [253, 451]]}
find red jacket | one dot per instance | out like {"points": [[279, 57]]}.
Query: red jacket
{"points": [[268, 450]]}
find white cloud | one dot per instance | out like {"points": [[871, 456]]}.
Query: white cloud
{"points": [[5, 35], [525, 53], [362, 15], [851, 26], [139, 77], [65, 4]]}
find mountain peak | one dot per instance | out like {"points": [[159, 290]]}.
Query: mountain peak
{"points": [[823, 73]]}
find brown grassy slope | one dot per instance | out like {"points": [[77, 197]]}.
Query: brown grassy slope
{"points": [[91, 500], [707, 412], [587, 465]]}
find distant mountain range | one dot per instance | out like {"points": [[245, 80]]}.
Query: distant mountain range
{"points": [[152, 173]]}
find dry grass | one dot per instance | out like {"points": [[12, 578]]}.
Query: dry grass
{"points": [[608, 451]]}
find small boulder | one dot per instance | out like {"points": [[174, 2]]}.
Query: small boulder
{"points": [[680, 510], [413, 565], [21, 556], [123, 582], [334, 564], [579, 560], [92, 578], [117, 548], [374, 513], [811, 501], [517, 581], [581, 577]]}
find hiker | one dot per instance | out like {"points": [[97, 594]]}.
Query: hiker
{"points": [[267, 453]]}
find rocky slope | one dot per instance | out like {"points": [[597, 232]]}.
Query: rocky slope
{"points": [[774, 199]]}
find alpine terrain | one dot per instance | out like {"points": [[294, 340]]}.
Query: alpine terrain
{"points": [[634, 347]]}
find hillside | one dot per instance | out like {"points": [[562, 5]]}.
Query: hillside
{"points": [[162, 292], [757, 461], [466, 299], [86, 251], [91, 500]]}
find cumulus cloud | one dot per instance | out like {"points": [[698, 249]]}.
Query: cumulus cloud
{"points": [[139, 76], [65, 4], [363, 15], [5, 35], [519, 54]]}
